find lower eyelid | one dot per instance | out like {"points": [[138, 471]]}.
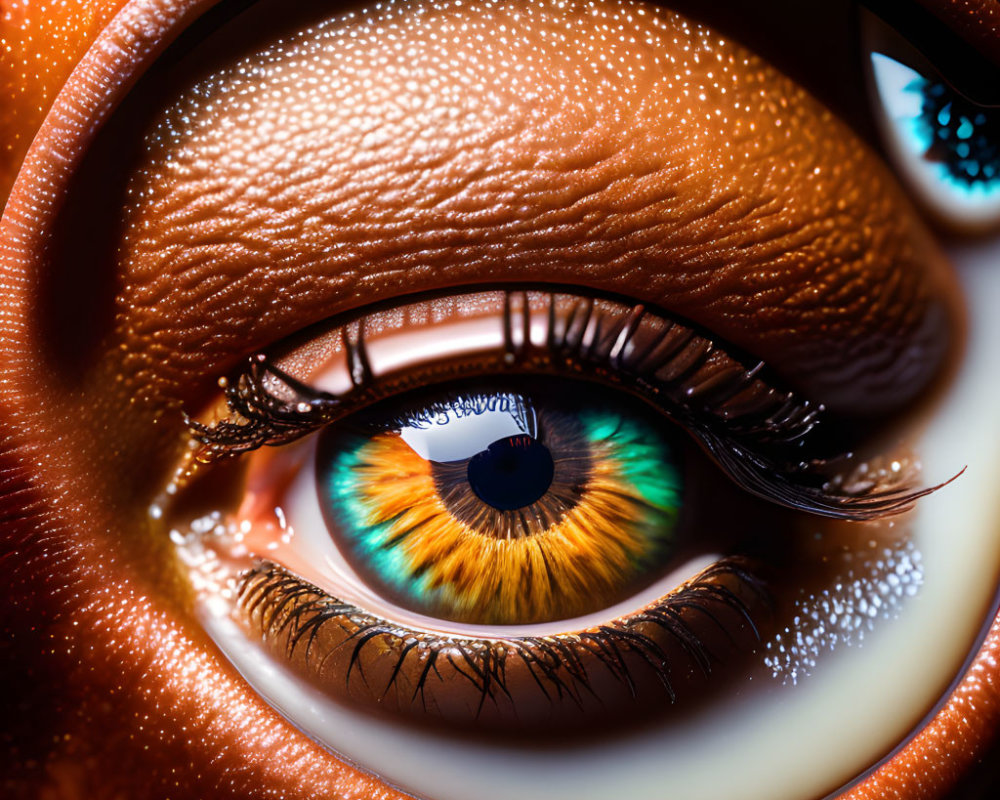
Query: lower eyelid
{"points": [[658, 657]]}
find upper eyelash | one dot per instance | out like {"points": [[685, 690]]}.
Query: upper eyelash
{"points": [[765, 447]]}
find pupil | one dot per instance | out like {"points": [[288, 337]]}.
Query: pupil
{"points": [[511, 473]]}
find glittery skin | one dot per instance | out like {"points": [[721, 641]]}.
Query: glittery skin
{"points": [[40, 42], [91, 644], [650, 147]]}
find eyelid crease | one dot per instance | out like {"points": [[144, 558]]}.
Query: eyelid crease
{"points": [[766, 441]]}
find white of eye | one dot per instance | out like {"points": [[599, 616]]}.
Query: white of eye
{"points": [[961, 191]]}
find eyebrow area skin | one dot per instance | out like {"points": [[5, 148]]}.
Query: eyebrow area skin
{"points": [[100, 638], [767, 223]]}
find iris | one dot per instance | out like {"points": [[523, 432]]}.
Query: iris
{"points": [[945, 145], [963, 137], [504, 507]]}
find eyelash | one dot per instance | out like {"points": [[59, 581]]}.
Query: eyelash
{"points": [[768, 448], [770, 442], [291, 612]]}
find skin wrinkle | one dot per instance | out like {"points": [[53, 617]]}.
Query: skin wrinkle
{"points": [[415, 200], [81, 643]]}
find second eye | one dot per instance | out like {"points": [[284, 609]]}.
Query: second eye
{"points": [[945, 145]]}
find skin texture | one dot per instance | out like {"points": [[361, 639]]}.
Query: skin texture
{"points": [[43, 42], [608, 190], [98, 634]]}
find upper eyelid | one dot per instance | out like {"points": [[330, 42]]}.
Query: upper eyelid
{"points": [[154, 291], [965, 69], [768, 441]]}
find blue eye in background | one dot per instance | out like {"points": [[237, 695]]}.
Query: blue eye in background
{"points": [[959, 136], [946, 147]]}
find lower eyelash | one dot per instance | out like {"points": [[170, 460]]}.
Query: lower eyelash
{"points": [[646, 662]]}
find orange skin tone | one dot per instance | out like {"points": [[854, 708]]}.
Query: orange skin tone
{"points": [[111, 688], [43, 44]]}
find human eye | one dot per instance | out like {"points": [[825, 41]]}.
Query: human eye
{"points": [[940, 129], [595, 557], [612, 154]]}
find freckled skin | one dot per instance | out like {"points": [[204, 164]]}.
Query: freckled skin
{"points": [[109, 688], [666, 164]]}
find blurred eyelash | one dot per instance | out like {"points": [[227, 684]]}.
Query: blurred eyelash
{"points": [[296, 611], [765, 440]]}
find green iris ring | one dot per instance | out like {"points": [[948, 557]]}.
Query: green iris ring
{"points": [[649, 467]]}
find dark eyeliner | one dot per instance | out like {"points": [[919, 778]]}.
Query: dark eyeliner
{"points": [[772, 443]]}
